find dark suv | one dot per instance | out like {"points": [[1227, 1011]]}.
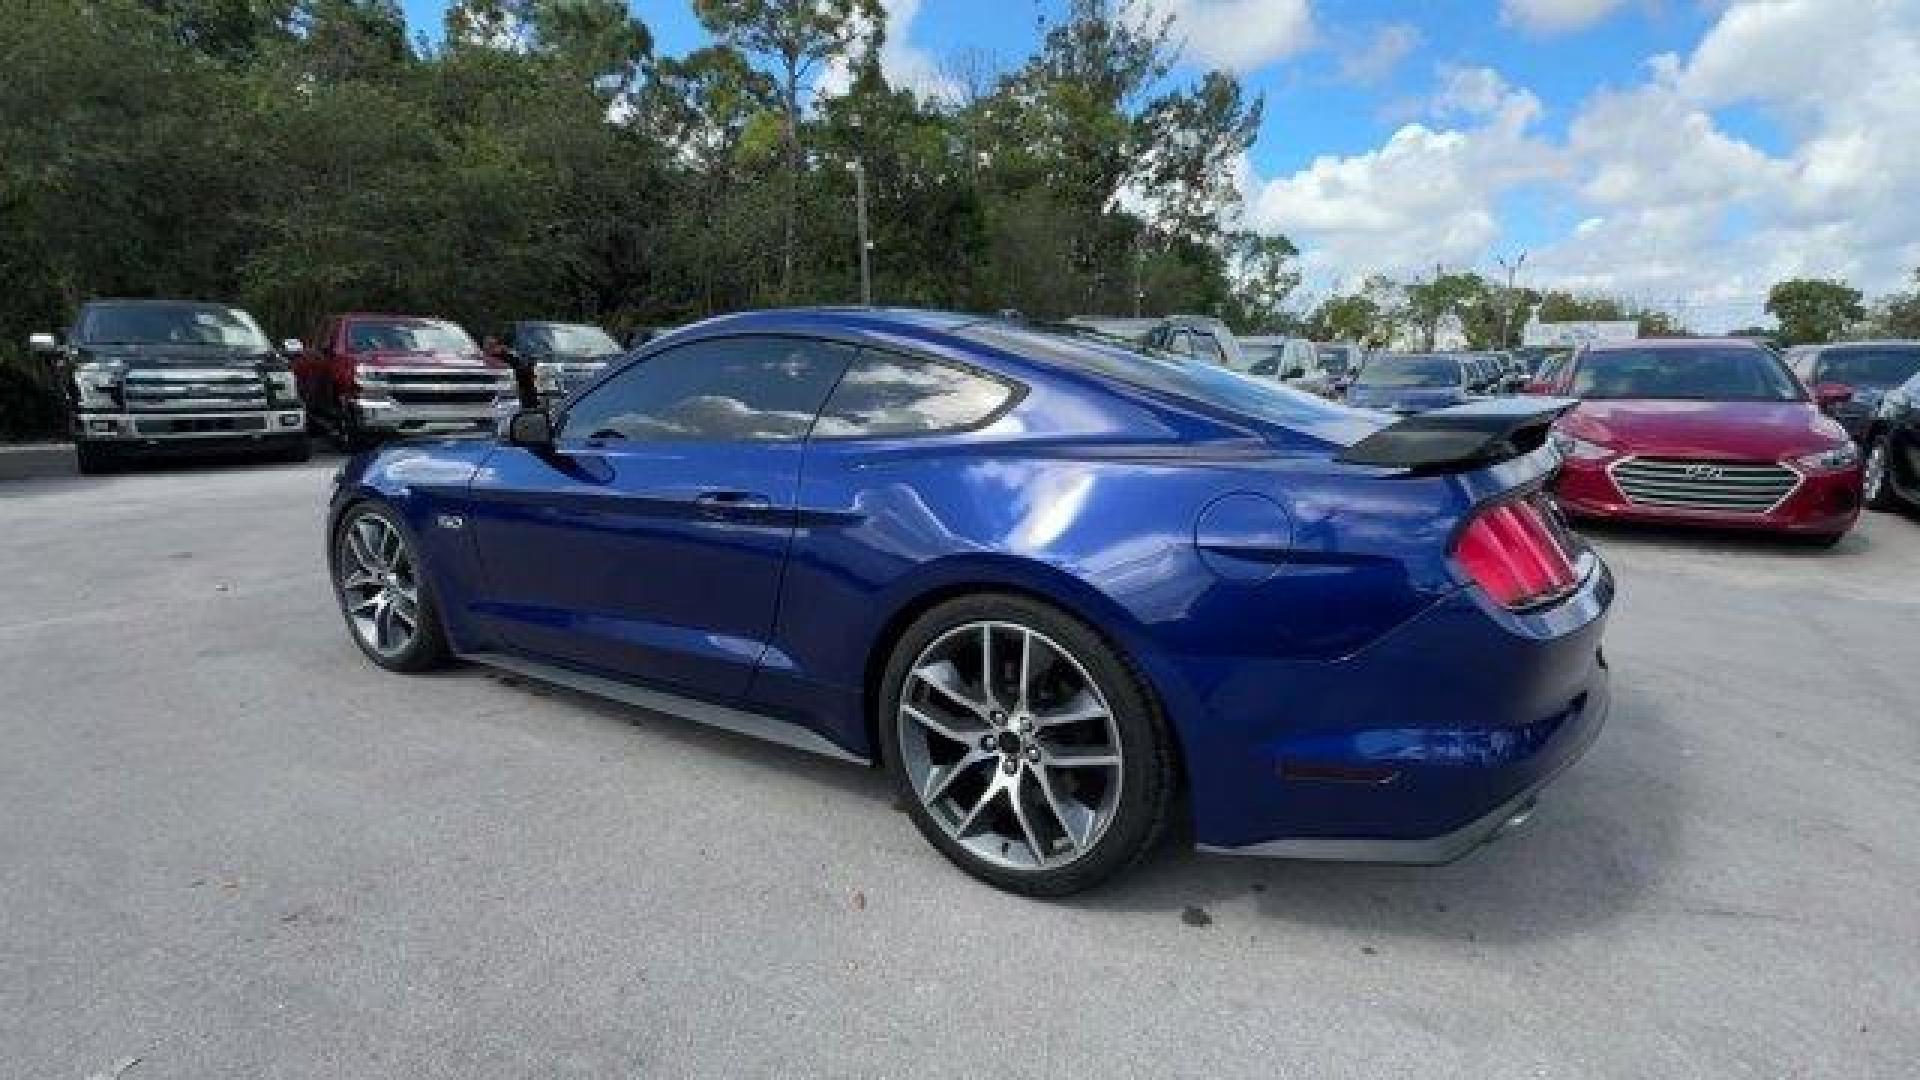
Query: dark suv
{"points": [[561, 356], [170, 377], [1857, 374]]}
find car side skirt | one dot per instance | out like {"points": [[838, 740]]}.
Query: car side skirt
{"points": [[739, 721]]}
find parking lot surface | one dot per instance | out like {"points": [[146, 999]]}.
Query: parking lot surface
{"points": [[231, 847]]}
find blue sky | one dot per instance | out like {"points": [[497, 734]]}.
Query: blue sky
{"points": [[1683, 153]]}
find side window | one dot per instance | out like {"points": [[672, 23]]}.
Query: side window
{"points": [[887, 395], [1207, 348], [1181, 342], [741, 388]]}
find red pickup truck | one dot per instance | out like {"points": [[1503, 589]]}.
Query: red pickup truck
{"points": [[364, 377]]}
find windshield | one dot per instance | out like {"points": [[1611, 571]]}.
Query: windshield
{"points": [[171, 324], [569, 339], [1706, 374], [1411, 371], [407, 335], [1880, 368]]}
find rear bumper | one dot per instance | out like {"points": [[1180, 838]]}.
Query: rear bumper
{"points": [[1417, 749], [1821, 504], [158, 431]]}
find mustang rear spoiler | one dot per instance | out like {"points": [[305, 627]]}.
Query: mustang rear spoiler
{"points": [[1462, 437]]}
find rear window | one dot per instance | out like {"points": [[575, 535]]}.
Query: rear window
{"points": [[1411, 371], [1158, 371]]}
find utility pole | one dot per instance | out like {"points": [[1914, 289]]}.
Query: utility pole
{"points": [[859, 167], [866, 245], [1506, 310]]}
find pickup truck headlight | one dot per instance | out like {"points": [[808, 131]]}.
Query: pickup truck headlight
{"points": [[1837, 459], [282, 388], [97, 386]]}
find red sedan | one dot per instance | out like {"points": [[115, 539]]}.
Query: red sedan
{"points": [[1701, 432]]}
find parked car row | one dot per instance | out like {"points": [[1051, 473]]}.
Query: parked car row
{"points": [[1713, 432], [150, 378]]}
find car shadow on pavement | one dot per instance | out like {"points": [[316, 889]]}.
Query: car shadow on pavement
{"points": [[673, 734], [1736, 542], [1602, 837]]}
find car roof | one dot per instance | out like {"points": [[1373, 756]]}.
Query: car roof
{"points": [[1844, 346], [1674, 344], [156, 301]]}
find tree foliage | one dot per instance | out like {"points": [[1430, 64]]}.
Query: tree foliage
{"points": [[1813, 311], [305, 156]]}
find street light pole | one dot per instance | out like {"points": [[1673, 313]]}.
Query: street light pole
{"points": [[1506, 309]]}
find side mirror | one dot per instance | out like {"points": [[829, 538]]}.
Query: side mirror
{"points": [[1829, 394], [532, 429], [43, 343], [292, 346]]}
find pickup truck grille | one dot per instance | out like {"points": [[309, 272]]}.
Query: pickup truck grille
{"points": [[436, 386], [194, 390], [1726, 486], [197, 425]]}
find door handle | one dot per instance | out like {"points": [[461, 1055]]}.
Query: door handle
{"points": [[717, 501]]}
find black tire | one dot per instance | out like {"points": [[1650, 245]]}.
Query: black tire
{"points": [[1148, 769], [1883, 497], [427, 648], [346, 432], [94, 459]]}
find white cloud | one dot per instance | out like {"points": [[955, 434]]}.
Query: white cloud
{"points": [[1669, 206], [904, 63], [1242, 35], [1381, 53], [1556, 16], [1426, 196]]}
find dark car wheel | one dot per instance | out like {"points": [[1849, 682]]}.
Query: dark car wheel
{"points": [[384, 594], [346, 432], [1027, 750], [1876, 485]]}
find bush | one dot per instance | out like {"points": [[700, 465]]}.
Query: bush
{"points": [[30, 400]]}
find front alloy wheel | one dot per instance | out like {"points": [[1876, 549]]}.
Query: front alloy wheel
{"points": [[382, 593], [1028, 750]]}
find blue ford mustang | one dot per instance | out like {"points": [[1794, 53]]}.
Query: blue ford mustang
{"points": [[1064, 590]]}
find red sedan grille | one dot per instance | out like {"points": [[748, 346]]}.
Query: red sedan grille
{"points": [[1682, 484]]}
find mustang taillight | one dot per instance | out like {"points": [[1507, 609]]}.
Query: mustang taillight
{"points": [[1513, 552]]}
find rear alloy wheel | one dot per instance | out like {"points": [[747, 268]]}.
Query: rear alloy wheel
{"points": [[1877, 488], [1027, 749], [387, 601]]}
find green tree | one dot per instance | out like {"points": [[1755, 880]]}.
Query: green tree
{"points": [[797, 37], [1897, 315], [1463, 295], [1265, 271], [1811, 311]]}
